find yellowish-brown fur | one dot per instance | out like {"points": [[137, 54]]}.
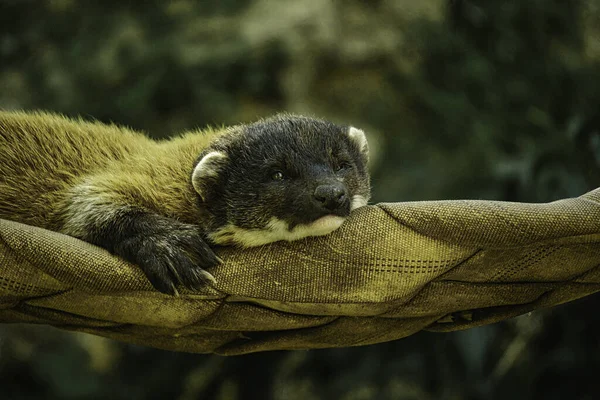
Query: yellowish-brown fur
{"points": [[47, 161]]}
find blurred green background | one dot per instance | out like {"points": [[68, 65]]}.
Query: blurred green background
{"points": [[460, 99]]}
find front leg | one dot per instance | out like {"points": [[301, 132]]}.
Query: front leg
{"points": [[168, 251]]}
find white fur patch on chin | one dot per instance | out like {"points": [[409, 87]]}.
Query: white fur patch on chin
{"points": [[275, 231], [357, 201]]}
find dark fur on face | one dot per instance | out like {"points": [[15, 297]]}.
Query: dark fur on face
{"points": [[283, 174]]}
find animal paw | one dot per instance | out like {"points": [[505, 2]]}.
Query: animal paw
{"points": [[175, 256]]}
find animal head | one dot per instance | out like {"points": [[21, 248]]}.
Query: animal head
{"points": [[283, 178]]}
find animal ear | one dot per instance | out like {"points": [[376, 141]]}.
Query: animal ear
{"points": [[207, 171], [357, 136]]}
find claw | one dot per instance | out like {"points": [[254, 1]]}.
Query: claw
{"points": [[175, 291], [207, 276], [174, 272]]}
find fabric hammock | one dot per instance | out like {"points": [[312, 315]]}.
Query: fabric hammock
{"points": [[390, 271]]}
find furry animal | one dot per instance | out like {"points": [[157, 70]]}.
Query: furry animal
{"points": [[163, 204]]}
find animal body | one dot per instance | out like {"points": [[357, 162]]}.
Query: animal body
{"points": [[163, 204]]}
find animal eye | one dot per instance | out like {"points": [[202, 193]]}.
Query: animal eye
{"points": [[277, 176], [344, 165]]}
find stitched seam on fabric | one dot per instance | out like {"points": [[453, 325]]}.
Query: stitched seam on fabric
{"points": [[463, 261], [531, 259], [16, 286]]}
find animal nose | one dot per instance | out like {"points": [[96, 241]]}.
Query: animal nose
{"points": [[330, 196]]}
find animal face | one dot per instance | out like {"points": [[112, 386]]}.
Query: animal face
{"points": [[283, 178]]}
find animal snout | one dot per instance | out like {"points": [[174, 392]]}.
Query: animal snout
{"points": [[330, 196]]}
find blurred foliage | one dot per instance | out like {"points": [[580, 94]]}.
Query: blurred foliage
{"points": [[462, 99]]}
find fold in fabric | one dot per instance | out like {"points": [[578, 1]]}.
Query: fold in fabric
{"points": [[391, 270]]}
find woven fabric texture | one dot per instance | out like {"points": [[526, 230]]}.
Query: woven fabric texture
{"points": [[390, 271]]}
